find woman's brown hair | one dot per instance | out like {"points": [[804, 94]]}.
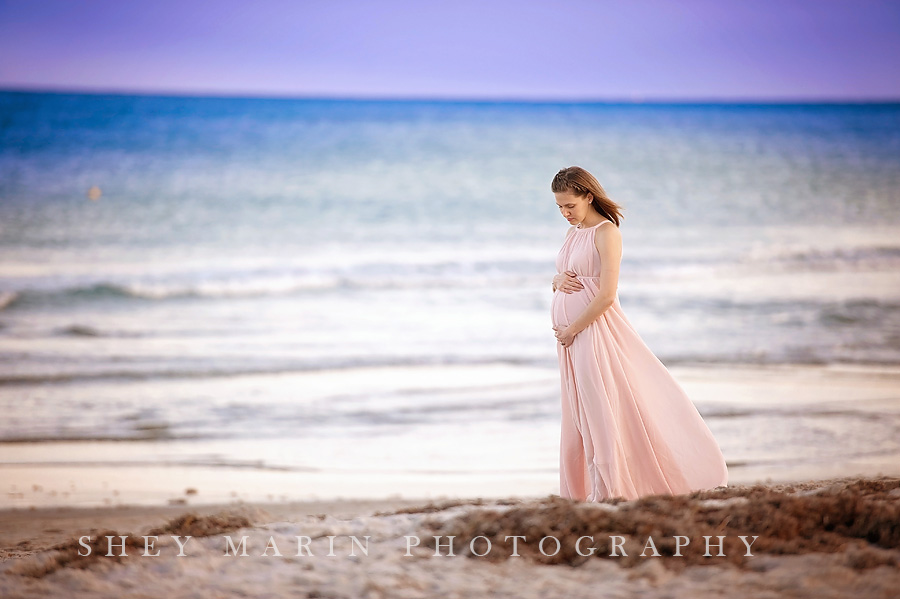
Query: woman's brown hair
{"points": [[580, 182]]}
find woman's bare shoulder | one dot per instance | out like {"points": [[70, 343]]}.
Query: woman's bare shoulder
{"points": [[604, 229], [608, 236]]}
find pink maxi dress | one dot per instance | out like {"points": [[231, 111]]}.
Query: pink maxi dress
{"points": [[628, 428]]}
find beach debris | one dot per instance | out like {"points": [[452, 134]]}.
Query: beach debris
{"points": [[432, 507], [85, 550], [203, 526], [860, 518], [71, 553]]}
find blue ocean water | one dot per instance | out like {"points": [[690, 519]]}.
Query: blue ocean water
{"points": [[264, 238]]}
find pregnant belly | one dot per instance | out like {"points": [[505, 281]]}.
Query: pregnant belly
{"points": [[566, 307]]}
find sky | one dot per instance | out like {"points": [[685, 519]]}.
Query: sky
{"points": [[632, 50]]}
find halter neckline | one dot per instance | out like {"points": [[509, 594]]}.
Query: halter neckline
{"points": [[605, 220]]}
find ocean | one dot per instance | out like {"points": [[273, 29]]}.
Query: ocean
{"points": [[355, 287]]}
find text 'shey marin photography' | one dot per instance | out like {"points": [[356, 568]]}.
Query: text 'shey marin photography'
{"points": [[444, 546]]}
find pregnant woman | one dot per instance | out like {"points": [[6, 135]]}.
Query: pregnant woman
{"points": [[628, 428]]}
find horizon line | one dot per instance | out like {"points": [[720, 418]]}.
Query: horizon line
{"points": [[633, 99]]}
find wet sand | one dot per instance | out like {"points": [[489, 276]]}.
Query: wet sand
{"points": [[775, 424]]}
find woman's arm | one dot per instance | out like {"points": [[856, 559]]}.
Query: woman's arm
{"points": [[609, 244]]}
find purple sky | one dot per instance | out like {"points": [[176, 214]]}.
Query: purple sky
{"points": [[569, 49]]}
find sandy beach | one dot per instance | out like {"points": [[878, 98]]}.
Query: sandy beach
{"points": [[826, 538]]}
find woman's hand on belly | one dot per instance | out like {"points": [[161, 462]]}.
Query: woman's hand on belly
{"points": [[567, 282], [565, 335]]}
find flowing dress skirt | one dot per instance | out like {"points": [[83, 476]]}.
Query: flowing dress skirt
{"points": [[628, 428]]}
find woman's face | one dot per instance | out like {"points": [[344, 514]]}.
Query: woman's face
{"points": [[574, 208]]}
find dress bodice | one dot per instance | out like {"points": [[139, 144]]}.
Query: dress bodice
{"points": [[579, 253]]}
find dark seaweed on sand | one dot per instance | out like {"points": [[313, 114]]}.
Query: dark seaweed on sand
{"points": [[860, 517], [66, 554]]}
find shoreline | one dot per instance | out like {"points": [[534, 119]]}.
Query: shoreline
{"points": [[54, 474]]}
